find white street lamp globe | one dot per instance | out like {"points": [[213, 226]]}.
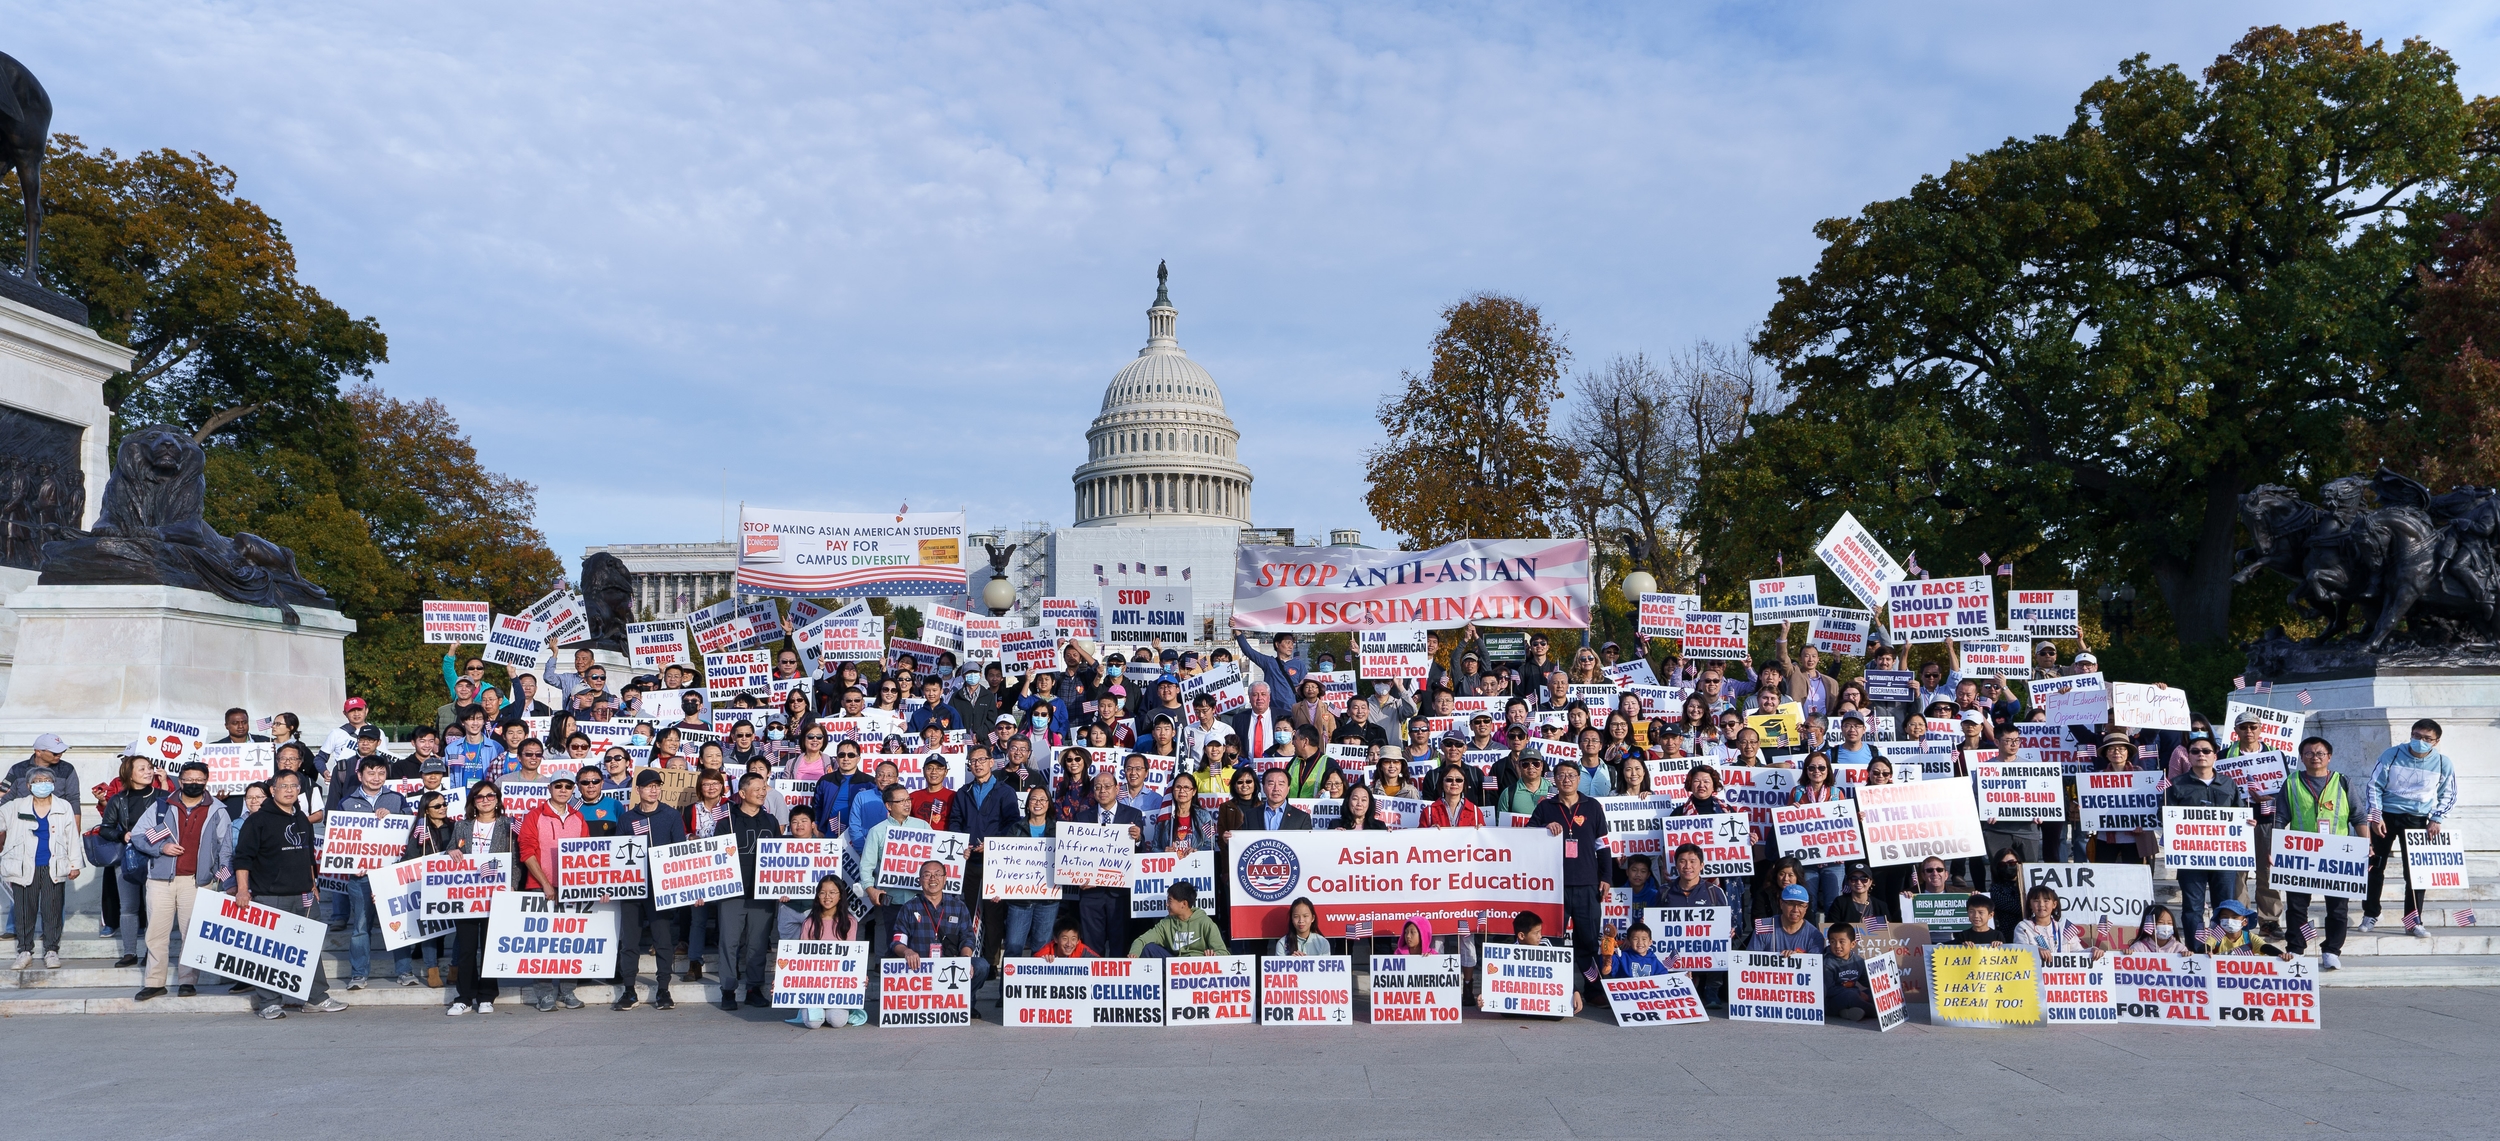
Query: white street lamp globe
{"points": [[1637, 584]]}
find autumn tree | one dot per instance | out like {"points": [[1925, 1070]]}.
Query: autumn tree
{"points": [[2448, 432], [1467, 453], [1646, 435]]}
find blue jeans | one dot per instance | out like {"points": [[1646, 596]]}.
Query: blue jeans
{"points": [[1824, 881], [361, 924], [2199, 894], [1028, 926]]}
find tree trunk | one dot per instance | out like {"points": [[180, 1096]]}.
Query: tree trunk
{"points": [[2198, 586]]}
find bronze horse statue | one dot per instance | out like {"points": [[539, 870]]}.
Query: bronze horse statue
{"points": [[2398, 560], [25, 126]]}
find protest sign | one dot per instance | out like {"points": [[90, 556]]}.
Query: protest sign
{"points": [[1941, 912], [656, 645], [517, 642], [924, 657], [529, 936], [458, 885], [233, 767], [859, 639], [2020, 792], [169, 742], [1983, 985], [1906, 823], [1655, 1000], [2044, 613], [1387, 876], [522, 797], [1065, 993], [1824, 832], [697, 871], [813, 554], [1782, 730], [1864, 566], [1891, 685], [762, 621], [2075, 991], [1223, 682], [1399, 811], [790, 869], [1497, 582], [1783, 599], [898, 869], [1662, 615], [808, 973], [1400, 654], [1691, 938], [2318, 863], [452, 621], [2175, 990], [1770, 987], [1306, 990], [2134, 705], [1022, 652], [399, 902], [1335, 687], [1151, 883], [2051, 745], [249, 943], [2127, 800], [2279, 730], [1883, 984], [1417, 990], [1916, 760], [2208, 839], [938, 992], [2076, 699], [354, 843], [1632, 826], [589, 869], [1631, 675], [1756, 790], [731, 672], [1598, 696], [1715, 635], [2088, 893], [1136, 615], [1840, 633], [1093, 855], [2259, 775], [1016, 869], [1528, 980], [563, 613], [1726, 841], [1072, 617], [2011, 660], [2264, 991], [2435, 861], [943, 625], [1210, 990], [1942, 609], [1907, 943]]}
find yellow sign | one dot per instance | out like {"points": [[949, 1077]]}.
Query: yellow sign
{"points": [[940, 553], [1983, 985], [1782, 729]]}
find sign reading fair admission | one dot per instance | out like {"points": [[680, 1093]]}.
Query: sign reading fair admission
{"points": [[856, 555], [1498, 582]]}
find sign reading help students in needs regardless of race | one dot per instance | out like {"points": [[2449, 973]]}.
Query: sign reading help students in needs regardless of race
{"points": [[791, 869], [1906, 823], [808, 973], [2075, 991], [1840, 632], [1417, 990], [2318, 863], [529, 936], [697, 871], [457, 885], [1983, 985], [2264, 991], [592, 868], [1528, 980], [2119, 802], [1772, 987], [656, 645], [2208, 839], [938, 992], [1062, 993], [1864, 566], [2435, 861], [2175, 990], [1210, 990], [246, 942], [1655, 1000], [1784, 599], [1306, 990], [2044, 613], [451, 621], [1399, 654], [1824, 832]]}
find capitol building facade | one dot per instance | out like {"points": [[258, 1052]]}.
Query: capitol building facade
{"points": [[1162, 452]]}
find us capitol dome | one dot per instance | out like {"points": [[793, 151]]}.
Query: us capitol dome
{"points": [[1162, 452]]}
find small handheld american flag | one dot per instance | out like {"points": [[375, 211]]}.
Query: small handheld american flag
{"points": [[1761, 926], [2240, 682], [2103, 929], [2461, 917], [2413, 919], [1360, 930], [1875, 925], [2304, 697], [1466, 927], [642, 827], [2209, 935], [2308, 930], [158, 834]]}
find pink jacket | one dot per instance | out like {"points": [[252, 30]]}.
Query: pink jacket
{"points": [[539, 832]]}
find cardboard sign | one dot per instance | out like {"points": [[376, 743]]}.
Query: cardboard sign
{"points": [[1210, 990], [1726, 841], [1528, 980], [1906, 823], [1883, 984], [1306, 990], [2174, 990], [2317, 863], [898, 869], [1662, 615], [2088, 893], [728, 673], [354, 843], [2044, 613], [938, 992], [517, 641], [831, 976], [695, 872], [263, 946], [1093, 855], [2020, 792], [453, 621], [791, 869], [1841, 633], [1983, 985], [529, 936], [2436, 862], [1825, 832], [2010, 660], [1784, 599], [2208, 839], [1017, 869], [2137, 706], [1711, 635], [457, 885], [1151, 883], [1399, 654], [593, 868], [2128, 800], [1417, 990], [2075, 991], [1063, 993], [1655, 1000], [1768, 987], [2265, 992], [399, 900], [2279, 730], [1691, 938], [2258, 774], [1864, 566], [2076, 699]]}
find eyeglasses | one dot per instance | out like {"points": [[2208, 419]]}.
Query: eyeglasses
{"points": [[598, 677], [532, 754]]}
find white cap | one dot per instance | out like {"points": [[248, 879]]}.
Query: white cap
{"points": [[51, 743]]}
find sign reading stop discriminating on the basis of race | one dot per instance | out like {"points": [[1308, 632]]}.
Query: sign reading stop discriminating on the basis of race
{"points": [[1444, 874], [1496, 582]]}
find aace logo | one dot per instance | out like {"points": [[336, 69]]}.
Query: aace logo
{"points": [[1268, 870]]}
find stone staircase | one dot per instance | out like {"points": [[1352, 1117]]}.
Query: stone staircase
{"points": [[2451, 956]]}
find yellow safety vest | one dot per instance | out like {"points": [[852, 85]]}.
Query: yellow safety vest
{"points": [[2334, 804]]}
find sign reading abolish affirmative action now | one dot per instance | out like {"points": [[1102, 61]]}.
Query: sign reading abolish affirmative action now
{"points": [[1499, 582], [1446, 874], [855, 555]]}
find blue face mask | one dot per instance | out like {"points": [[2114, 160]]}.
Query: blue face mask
{"points": [[641, 739], [42, 789], [2420, 747]]}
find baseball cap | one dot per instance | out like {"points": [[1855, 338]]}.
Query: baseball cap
{"points": [[2246, 718], [2087, 658], [136, 748], [51, 743], [369, 732], [1005, 719], [1190, 658], [557, 780], [353, 703], [434, 765], [2236, 907], [1973, 717], [1795, 893], [1167, 679], [1859, 871], [1454, 738], [1171, 655], [1852, 715], [1481, 715]]}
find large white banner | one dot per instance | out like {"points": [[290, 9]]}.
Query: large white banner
{"points": [[1443, 874], [1497, 582], [905, 554]]}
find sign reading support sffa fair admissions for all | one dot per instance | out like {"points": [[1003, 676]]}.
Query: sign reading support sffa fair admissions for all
{"points": [[1060, 993], [1417, 990], [246, 942], [1306, 990], [1528, 980], [938, 992]]}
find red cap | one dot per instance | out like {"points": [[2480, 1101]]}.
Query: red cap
{"points": [[355, 703]]}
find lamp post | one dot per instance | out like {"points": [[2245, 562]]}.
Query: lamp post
{"points": [[999, 595], [1636, 584], [2117, 610]]}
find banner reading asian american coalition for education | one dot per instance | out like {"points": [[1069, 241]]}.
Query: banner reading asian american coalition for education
{"points": [[1502, 582], [1483, 875], [856, 555]]}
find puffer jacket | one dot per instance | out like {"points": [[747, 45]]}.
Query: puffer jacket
{"points": [[216, 854], [17, 852]]}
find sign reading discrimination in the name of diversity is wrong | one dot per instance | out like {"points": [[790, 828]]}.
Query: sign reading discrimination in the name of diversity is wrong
{"points": [[1514, 583], [1443, 874], [1906, 823], [529, 936], [1060, 993], [856, 555], [451, 621], [1306, 990], [820, 974], [1417, 990]]}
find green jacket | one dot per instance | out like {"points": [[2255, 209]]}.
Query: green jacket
{"points": [[1196, 935]]}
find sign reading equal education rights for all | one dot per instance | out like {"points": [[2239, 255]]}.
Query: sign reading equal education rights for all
{"points": [[1306, 990]]}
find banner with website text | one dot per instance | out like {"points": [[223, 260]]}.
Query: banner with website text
{"points": [[855, 555], [1483, 876], [1497, 582]]}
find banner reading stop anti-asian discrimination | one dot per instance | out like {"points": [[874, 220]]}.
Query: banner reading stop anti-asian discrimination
{"points": [[905, 554], [1497, 582], [246, 942], [1445, 874]]}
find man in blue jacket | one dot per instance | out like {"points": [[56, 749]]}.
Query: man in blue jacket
{"points": [[984, 807], [1284, 669], [835, 791], [2412, 788]]}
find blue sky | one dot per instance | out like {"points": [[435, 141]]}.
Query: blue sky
{"points": [[847, 256]]}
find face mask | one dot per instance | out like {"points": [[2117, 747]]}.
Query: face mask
{"points": [[946, 671], [194, 790], [772, 735], [2420, 748], [42, 788], [2231, 925], [2161, 930], [641, 739]]}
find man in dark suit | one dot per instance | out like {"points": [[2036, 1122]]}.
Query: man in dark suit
{"points": [[1274, 815], [1102, 912]]}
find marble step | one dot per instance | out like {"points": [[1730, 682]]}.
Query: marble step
{"points": [[215, 1000], [2414, 970]]}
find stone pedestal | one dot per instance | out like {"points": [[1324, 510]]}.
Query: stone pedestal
{"points": [[94, 662], [53, 428], [2363, 716]]}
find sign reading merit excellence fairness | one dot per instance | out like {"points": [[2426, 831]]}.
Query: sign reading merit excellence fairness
{"points": [[1499, 582], [1445, 874]]}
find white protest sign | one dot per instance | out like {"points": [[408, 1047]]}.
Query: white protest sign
{"points": [[1633, 826], [2044, 613], [1632, 675], [1758, 790], [2208, 839], [2128, 800], [1823, 832], [565, 614], [592, 868], [1398, 654], [399, 901], [2135, 705], [2435, 861], [1093, 855], [938, 992], [1335, 687], [1691, 938], [517, 642], [2319, 863], [354, 843], [1138, 615], [1017, 869], [728, 673], [1306, 990], [1713, 635], [1942, 609], [1725, 839], [457, 885], [529, 936], [1060, 993], [1417, 990], [2020, 792], [943, 625], [1906, 823], [1211, 990], [1862, 563], [233, 766], [1883, 984], [1151, 882], [1072, 617], [2089, 893], [1021, 652], [249, 943], [656, 645], [1840, 633], [453, 621], [2175, 990], [2075, 991], [1767, 987], [898, 868], [697, 871], [2076, 699], [791, 869], [522, 797], [1662, 615], [1655, 1000], [2258, 774], [1783, 599], [2052, 745], [1997, 659], [2265, 992], [169, 742], [808, 973], [1223, 683], [1528, 980], [2278, 730]]}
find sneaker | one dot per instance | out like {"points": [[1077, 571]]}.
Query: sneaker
{"points": [[186, 990], [2327, 961], [328, 1006], [357, 983], [625, 1000], [239, 988], [410, 980], [2418, 932], [24, 959], [52, 960], [2369, 923], [757, 997], [859, 1018], [486, 1008], [105, 932], [126, 961], [273, 1011], [729, 1000], [570, 1002], [545, 1005], [146, 993], [459, 1008], [662, 1001]]}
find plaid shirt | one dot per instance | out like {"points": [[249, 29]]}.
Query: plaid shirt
{"points": [[932, 929]]}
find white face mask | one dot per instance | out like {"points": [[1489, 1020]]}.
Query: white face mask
{"points": [[2231, 925], [2161, 930]]}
